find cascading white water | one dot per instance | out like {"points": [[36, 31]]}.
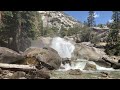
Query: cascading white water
{"points": [[63, 47], [80, 64]]}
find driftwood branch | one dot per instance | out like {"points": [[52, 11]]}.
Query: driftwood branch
{"points": [[114, 64], [16, 66]]}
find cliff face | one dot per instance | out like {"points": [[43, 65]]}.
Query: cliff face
{"points": [[58, 19]]}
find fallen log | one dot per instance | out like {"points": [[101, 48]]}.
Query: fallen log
{"points": [[16, 66], [115, 65], [32, 71]]}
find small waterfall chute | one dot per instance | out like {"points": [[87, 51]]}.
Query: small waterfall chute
{"points": [[63, 47]]}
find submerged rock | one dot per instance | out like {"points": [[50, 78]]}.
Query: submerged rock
{"points": [[75, 72], [89, 66]]}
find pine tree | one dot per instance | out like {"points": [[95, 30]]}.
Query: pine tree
{"points": [[17, 27], [91, 19], [116, 20], [5, 28], [113, 40]]}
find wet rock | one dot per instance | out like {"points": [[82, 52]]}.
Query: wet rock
{"points": [[104, 74], [62, 67], [89, 66], [65, 61], [75, 72], [103, 64]]}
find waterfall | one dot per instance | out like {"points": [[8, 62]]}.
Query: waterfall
{"points": [[63, 47]]}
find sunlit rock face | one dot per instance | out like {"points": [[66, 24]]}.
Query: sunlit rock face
{"points": [[90, 53], [63, 47], [58, 19]]}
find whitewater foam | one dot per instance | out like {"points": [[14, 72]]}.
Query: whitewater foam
{"points": [[63, 47], [80, 64]]}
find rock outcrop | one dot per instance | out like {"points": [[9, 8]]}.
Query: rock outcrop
{"points": [[58, 19], [90, 53], [9, 56], [47, 57]]}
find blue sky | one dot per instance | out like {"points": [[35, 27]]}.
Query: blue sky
{"points": [[100, 16]]}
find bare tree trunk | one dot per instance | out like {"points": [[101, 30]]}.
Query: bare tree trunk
{"points": [[15, 43], [16, 66]]}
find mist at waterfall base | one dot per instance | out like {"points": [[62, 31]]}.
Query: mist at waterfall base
{"points": [[65, 49]]}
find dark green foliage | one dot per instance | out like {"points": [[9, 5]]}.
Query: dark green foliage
{"points": [[63, 32], [109, 25], [116, 20], [91, 19], [113, 41], [70, 31], [85, 35], [100, 25], [17, 27], [50, 32], [74, 31]]}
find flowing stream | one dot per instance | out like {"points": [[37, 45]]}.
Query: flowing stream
{"points": [[65, 49]]}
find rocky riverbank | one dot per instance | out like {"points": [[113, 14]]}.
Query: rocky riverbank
{"points": [[22, 74], [60, 59], [77, 74]]}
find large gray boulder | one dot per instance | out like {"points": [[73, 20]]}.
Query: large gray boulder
{"points": [[90, 53], [47, 57], [83, 51], [9, 56]]}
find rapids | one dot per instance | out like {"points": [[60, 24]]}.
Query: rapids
{"points": [[65, 49], [80, 64]]}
